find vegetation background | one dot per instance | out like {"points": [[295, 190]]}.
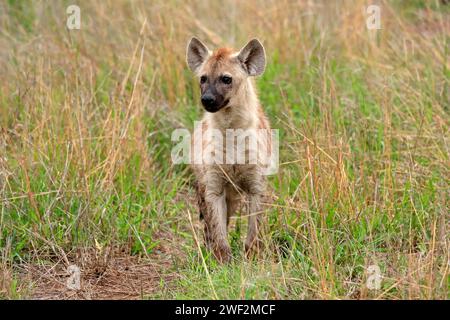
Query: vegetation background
{"points": [[86, 118]]}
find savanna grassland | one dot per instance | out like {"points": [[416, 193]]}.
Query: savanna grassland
{"points": [[86, 178]]}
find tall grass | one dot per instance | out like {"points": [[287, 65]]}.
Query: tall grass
{"points": [[86, 118]]}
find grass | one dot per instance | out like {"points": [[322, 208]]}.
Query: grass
{"points": [[86, 118]]}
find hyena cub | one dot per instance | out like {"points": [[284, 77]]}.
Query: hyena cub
{"points": [[229, 97]]}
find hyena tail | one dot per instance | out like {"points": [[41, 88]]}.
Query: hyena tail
{"points": [[200, 192]]}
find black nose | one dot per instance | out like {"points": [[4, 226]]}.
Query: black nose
{"points": [[208, 101]]}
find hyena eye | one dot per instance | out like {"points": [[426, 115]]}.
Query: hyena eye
{"points": [[226, 79], [203, 79]]}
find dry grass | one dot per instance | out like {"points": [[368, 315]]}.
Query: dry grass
{"points": [[108, 273], [85, 123]]}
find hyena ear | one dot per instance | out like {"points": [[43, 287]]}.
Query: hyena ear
{"points": [[253, 58], [196, 54]]}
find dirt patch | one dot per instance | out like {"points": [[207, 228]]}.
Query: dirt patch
{"points": [[104, 273]]}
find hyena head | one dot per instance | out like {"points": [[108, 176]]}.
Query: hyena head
{"points": [[223, 71]]}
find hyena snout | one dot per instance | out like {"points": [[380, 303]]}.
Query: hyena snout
{"points": [[209, 102], [213, 103]]}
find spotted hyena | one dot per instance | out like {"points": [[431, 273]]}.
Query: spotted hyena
{"points": [[231, 104]]}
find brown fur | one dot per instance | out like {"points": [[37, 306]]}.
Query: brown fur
{"points": [[221, 54]]}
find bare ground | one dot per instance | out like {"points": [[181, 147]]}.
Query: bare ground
{"points": [[105, 273]]}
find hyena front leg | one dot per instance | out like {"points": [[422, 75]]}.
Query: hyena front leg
{"points": [[216, 226], [200, 195], [253, 241], [233, 202]]}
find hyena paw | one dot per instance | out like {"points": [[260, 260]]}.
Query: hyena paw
{"points": [[223, 253], [252, 247]]}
